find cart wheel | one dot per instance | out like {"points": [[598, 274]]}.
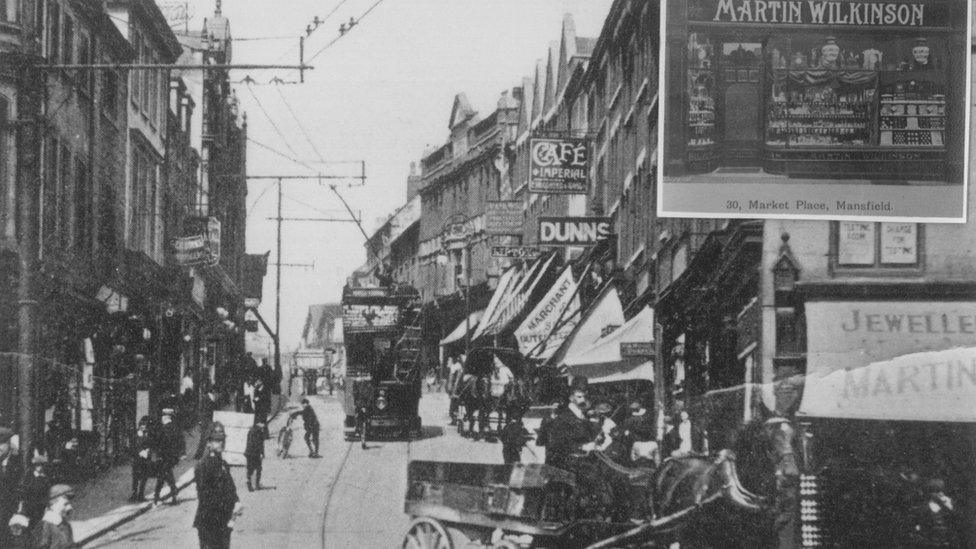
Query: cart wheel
{"points": [[427, 533]]}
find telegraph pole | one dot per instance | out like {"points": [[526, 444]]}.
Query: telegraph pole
{"points": [[276, 336]]}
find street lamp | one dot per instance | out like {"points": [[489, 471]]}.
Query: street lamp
{"points": [[456, 234]]}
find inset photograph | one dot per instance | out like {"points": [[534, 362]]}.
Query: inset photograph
{"points": [[818, 109]]}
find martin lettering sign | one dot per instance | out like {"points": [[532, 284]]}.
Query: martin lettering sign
{"points": [[822, 12], [845, 335], [573, 231], [504, 217], [636, 349], [515, 252], [559, 166]]}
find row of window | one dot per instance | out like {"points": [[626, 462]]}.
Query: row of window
{"points": [[150, 88], [67, 200]]}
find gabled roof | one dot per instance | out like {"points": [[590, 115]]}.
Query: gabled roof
{"points": [[552, 71], [525, 110], [539, 89], [461, 111], [584, 46]]}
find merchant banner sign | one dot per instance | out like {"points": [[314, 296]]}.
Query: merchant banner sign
{"points": [[573, 231], [821, 12], [559, 165], [369, 318]]}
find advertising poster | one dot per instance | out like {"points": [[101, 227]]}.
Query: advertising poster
{"points": [[815, 109]]}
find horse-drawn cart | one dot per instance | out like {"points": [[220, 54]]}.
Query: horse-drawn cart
{"points": [[467, 505]]}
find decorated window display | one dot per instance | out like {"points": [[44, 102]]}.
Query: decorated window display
{"points": [[855, 91], [701, 91]]}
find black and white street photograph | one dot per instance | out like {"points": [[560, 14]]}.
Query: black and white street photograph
{"points": [[815, 109], [500, 274]]}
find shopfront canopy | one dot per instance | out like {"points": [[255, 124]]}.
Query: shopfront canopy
{"points": [[926, 386], [605, 313], [516, 299], [604, 358], [459, 332], [623, 371]]}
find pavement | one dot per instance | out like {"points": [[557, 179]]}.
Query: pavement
{"points": [[349, 498], [102, 504]]}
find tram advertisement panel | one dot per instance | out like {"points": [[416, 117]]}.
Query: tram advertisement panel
{"points": [[369, 318]]}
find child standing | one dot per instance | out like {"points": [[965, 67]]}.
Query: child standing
{"points": [[254, 453]]}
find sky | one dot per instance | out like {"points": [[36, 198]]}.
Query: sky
{"points": [[382, 93]]}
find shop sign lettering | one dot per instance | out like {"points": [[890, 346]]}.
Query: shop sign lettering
{"points": [[573, 231], [820, 12], [515, 252], [369, 318], [559, 165]]}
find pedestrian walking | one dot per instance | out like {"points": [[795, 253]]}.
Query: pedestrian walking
{"points": [[218, 504], [513, 437], [311, 422], [254, 453], [262, 402], [144, 459], [10, 475], [207, 407], [171, 447], [34, 490], [455, 370], [54, 531]]}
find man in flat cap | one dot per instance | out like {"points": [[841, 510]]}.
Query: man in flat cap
{"points": [[54, 530], [171, 447], [34, 490], [10, 473], [218, 503]]}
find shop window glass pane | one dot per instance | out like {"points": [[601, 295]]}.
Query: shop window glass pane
{"points": [[701, 90], [912, 110], [855, 242], [899, 243]]}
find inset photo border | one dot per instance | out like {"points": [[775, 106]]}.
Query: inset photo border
{"points": [[815, 109]]}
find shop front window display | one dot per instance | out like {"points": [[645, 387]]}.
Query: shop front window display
{"points": [[701, 90], [862, 91]]}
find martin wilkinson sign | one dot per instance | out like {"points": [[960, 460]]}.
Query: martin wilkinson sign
{"points": [[559, 166], [821, 12], [573, 231]]}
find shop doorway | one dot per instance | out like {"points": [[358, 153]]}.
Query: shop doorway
{"points": [[741, 91]]}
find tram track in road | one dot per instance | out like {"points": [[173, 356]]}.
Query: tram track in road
{"points": [[337, 478]]}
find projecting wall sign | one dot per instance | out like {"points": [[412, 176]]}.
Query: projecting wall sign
{"points": [[573, 231]]}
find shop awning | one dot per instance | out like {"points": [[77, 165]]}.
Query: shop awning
{"points": [[508, 280], [927, 386], [624, 372], [458, 332], [552, 320], [605, 358], [604, 314], [516, 299]]}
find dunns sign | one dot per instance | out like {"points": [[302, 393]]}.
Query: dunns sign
{"points": [[822, 12], [573, 231]]}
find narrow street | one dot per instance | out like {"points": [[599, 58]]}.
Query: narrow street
{"points": [[349, 498]]}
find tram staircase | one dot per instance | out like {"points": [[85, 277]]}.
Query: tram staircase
{"points": [[407, 368]]}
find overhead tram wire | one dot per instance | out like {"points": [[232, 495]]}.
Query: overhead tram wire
{"points": [[301, 126], [271, 120], [352, 23], [281, 154]]}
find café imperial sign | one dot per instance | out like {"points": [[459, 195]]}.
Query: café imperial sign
{"points": [[820, 12]]}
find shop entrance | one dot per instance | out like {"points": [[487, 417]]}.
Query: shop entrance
{"points": [[741, 105]]}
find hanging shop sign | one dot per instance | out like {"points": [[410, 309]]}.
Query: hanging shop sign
{"points": [[636, 349], [516, 252], [573, 231], [202, 246], [504, 217], [821, 12], [559, 165], [369, 318]]}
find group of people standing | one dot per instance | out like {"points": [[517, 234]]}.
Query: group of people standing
{"points": [[158, 448], [33, 509]]}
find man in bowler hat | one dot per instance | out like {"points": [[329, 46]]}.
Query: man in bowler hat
{"points": [[218, 504], [171, 447]]}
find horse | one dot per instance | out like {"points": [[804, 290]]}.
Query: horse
{"points": [[512, 403], [474, 394]]}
